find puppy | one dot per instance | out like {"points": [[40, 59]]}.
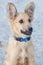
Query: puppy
{"points": [[20, 50]]}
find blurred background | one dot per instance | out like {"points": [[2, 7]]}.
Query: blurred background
{"points": [[37, 24]]}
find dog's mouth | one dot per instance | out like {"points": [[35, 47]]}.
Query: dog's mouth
{"points": [[27, 32]]}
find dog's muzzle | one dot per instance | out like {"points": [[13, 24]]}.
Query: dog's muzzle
{"points": [[27, 32]]}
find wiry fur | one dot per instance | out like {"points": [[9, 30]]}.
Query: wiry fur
{"points": [[20, 53]]}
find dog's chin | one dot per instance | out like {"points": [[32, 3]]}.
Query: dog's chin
{"points": [[26, 32]]}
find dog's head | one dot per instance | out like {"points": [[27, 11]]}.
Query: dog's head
{"points": [[21, 22]]}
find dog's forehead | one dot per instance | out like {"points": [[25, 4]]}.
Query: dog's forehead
{"points": [[22, 16]]}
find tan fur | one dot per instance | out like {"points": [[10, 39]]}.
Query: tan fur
{"points": [[20, 53], [3, 45]]}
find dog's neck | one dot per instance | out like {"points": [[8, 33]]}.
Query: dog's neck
{"points": [[21, 39]]}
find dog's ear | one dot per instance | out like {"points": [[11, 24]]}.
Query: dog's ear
{"points": [[30, 10], [12, 12]]}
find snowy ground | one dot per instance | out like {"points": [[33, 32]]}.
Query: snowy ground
{"points": [[37, 24]]}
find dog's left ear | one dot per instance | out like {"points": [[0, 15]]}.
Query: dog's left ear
{"points": [[12, 11], [30, 10]]}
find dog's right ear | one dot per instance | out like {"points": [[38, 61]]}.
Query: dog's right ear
{"points": [[12, 11]]}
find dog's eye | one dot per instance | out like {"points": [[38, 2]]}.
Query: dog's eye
{"points": [[21, 21], [29, 20]]}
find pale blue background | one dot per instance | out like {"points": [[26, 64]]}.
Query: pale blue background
{"points": [[37, 24]]}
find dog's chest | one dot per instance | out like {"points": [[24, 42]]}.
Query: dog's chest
{"points": [[23, 56]]}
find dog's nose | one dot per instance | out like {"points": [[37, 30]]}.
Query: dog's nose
{"points": [[31, 29]]}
